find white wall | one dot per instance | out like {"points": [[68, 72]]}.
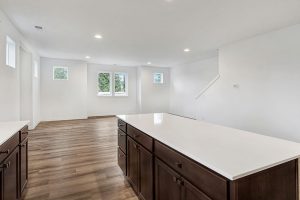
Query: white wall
{"points": [[111, 105], [266, 97], [63, 99], [187, 81], [153, 97], [10, 78]]}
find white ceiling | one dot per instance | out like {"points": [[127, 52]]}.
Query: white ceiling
{"points": [[138, 31]]}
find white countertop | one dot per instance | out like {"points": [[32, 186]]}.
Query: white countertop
{"points": [[230, 152], [8, 129]]}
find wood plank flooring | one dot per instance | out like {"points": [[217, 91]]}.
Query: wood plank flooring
{"points": [[76, 160]]}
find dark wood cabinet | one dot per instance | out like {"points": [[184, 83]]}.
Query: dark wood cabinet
{"points": [[23, 164], [11, 176], [133, 163], [140, 169], [157, 171], [14, 165], [191, 192], [167, 182], [146, 174]]}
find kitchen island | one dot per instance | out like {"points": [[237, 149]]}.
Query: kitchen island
{"points": [[169, 157]]}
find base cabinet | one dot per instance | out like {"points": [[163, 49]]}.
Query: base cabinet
{"points": [[11, 176], [14, 166], [156, 171], [140, 169], [132, 163], [167, 185], [23, 165]]}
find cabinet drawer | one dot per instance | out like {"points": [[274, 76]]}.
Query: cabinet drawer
{"points": [[8, 147], [207, 181], [23, 133], [122, 125], [122, 160], [140, 137], [122, 140]]}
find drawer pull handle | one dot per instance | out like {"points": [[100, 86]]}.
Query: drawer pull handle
{"points": [[179, 165], [121, 156], [121, 124], [6, 165], [22, 145], [24, 133], [4, 152], [177, 180]]}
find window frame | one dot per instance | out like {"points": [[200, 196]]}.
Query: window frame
{"points": [[10, 43], [105, 94], [120, 94], [162, 78], [57, 67]]}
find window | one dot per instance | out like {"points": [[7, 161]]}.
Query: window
{"points": [[120, 84], [108, 80], [10, 52], [104, 84], [35, 69], [158, 78], [60, 73]]}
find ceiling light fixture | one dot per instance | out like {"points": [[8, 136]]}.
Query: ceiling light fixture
{"points": [[88, 57], [186, 50], [148, 63], [38, 27], [97, 36]]}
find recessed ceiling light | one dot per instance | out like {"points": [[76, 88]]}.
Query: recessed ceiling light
{"points": [[186, 50], [97, 36], [88, 57], [149, 63]]}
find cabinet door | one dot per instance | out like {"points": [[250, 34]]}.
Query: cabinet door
{"points": [[23, 165], [11, 176], [190, 192], [132, 163], [1, 183], [167, 182], [146, 174]]}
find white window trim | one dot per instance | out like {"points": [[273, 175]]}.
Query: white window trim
{"points": [[105, 94], [10, 41], [121, 94], [56, 67], [162, 78]]}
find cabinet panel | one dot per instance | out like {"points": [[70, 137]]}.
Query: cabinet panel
{"points": [[23, 133], [7, 147], [11, 176], [122, 160], [122, 125], [23, 164], [212, 184], [1, 183], [122, 140], [167, 182], [140, 137], [132, 163], [190, 192], [146, 174]]}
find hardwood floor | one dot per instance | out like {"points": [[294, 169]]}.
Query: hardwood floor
{"points": [[74, 160]]}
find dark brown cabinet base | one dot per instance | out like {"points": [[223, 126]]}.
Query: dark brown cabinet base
{"points": [[156, 171], [14, 166]]}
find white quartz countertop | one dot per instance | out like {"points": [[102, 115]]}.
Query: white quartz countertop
{"points": [[8, 129], [230, 152]]}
